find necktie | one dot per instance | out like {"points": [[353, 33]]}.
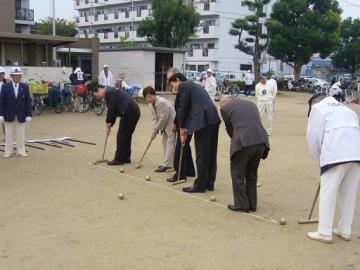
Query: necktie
{"points": [[16, 90]]}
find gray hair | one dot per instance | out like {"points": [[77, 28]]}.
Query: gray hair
{"points": [[225, 99]]}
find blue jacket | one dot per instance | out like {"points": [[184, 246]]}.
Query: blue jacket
{"points": [[11, 106]]}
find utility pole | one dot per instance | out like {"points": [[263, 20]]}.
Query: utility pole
{"points": [[54, 19]]}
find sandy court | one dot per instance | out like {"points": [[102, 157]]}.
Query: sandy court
{"points": [[60, 212]]}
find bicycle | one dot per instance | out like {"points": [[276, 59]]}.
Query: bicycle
{"points": [[81, 100], [67, 98]]}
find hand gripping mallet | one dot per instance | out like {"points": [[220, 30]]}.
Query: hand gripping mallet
{"points": [[309, 220], [178, 181], [102, 160], [143, 156]]}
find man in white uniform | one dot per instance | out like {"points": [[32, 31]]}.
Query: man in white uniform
{"points": [[249, 81], [15, 111], [333, 137], [106, 77], [209, 84], [272, 81], [265, 93]]}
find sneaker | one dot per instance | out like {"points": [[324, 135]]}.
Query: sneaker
{"points": [[319, 237], [7, 155], [23, 155], [343, 236]]}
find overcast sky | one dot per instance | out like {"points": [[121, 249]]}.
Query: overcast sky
{"points": [[65, 8]]}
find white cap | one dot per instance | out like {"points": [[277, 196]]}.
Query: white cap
{"points": [[16, 71], [77, 70], [210, 70], [106, 66], [2, 70]]}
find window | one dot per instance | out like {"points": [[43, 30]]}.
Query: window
{"points": [[202, 67], [206, 5], [205, 52], [245, 67], [211, 45], [191, 67]]}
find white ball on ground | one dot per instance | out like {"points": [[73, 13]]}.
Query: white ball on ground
{"points": [[283, 221], [121, 196], [213, 198], [147, 178], [122, 170]]}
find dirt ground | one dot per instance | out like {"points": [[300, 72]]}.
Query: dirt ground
{"points": [[59, 212]]}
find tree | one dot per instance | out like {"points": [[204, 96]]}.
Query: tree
{"points": [[125, 43], [63, 28], [252, 27], [172, 24], [347, 56], [298, 29]]}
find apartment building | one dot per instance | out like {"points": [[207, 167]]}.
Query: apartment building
{"points": [[16, 16], [212, 47]]}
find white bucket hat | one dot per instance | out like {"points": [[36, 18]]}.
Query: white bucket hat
{"points": [[210, 70], [2, 70]]}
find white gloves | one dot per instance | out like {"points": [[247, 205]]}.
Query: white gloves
{"points": [[1, 119], [28, 119]]}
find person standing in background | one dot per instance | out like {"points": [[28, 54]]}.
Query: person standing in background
{"points": [[106, 77], [2, 81], [266, 97], [249, 81], [15, 111], [120, 83], [209, 84]]}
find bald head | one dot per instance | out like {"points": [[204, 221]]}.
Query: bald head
{"points": [[171, 71], [225, 100]]}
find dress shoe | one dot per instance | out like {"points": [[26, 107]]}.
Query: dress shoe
{"points": [[173, 179], [194, 189], [128, 160], [343, 236], [115, 162], [162, 169], [210, 187], [237, 209], [319, 237], [252, 209]]}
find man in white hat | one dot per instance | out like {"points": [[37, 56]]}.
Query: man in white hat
{"points": [[209, 84], [265, 94], [106, 77], [2, 81], [15, 111]]}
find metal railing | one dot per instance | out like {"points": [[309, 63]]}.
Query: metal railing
{"points": [[24, 14]]}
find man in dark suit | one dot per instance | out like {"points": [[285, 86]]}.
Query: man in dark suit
{"points": [[15, 110], [124, 106], [249, 143], [187, 166], [198, 115]]}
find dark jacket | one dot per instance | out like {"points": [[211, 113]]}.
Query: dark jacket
{"points": [[117, 103], [243, 124], [196, 109], [11, 106]]}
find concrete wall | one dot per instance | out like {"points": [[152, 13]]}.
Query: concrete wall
{"points": [[7, 16], [138, 66]]}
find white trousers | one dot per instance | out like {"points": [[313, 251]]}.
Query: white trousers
{"points": [[266, 110], [10, 129], [341, 181], [168, 148]]}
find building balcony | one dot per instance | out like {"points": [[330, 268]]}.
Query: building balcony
{"points": [[113, 18], [202, 55], [113, 37], [207, 9], [24, 16], [207, 32]]}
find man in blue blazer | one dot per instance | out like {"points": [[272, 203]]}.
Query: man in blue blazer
{"points": [[15, 111]]}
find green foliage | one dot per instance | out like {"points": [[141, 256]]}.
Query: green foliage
{"points": [[172, 24], [63, 28], [347, 56], [252, 40], [124, 43], [299, 29]]}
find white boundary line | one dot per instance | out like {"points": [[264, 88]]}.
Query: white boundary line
{"points": [[182, 193]]}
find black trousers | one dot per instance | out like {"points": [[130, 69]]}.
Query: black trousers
{"points": [[206, 143], [187, 166], [244, 167], [126, 129], [248, 89]]}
